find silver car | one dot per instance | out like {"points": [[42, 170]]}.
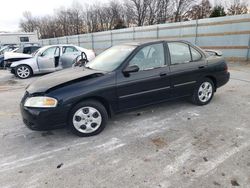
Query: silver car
{"points": [[49, 59]]}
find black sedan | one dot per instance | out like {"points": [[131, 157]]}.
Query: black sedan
{"points": [[122, 78]]}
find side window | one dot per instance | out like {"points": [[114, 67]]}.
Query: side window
{"points": [[196, 56], [69, 49], [149, 57], [179, 53], [49, 52]]}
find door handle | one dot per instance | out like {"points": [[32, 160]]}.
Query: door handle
{"points": [[201, 67], [163, 74]]}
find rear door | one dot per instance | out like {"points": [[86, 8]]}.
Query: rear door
{"points": [[150, 84], [48, 59], [69, 53], [187, 65]]}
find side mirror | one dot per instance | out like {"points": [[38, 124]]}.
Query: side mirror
{"points": [[40, 54], [130, 69]]}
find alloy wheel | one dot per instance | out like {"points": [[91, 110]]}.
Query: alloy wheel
{"points": [[23, 72], [205, 92]]}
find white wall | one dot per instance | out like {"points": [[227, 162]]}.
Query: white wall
{"points": [[14, 38]]}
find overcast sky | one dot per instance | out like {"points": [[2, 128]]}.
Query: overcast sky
{"points": [[11, 10]]}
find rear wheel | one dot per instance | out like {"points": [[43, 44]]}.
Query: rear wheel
{"points": [[204, 92], [23, 71], [88, 118]]}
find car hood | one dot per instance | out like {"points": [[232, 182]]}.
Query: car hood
{"points": [[62, 78], [15, 55]]}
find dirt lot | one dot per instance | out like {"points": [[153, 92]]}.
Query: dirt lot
{"points": [[174, 144]]}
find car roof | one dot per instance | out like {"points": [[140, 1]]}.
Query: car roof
{"points": [[60, 45], [142, 42]]}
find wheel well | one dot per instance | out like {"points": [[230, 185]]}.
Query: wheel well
{"points": [[214, 81], [27, 66], [100, 100]]}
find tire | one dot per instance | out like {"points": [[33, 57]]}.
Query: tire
{"points": [[203, 92], [23, 71], [88, 118]]}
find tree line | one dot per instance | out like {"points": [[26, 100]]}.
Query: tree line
{"points": [[79, 19]]}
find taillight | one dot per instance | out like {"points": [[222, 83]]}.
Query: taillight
{"points": [[226, 68]]}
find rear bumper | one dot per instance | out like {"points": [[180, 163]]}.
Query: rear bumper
{"points": [[222, 79]]}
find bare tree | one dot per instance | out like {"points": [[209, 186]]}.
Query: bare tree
{"points": [[181, 7], [199, 11], [165, 11], [138, 9], [91, 19], [75, 18], [237, 7], [29, 23], [116, 14], [61, 16]]}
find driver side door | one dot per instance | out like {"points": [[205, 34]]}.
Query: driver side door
{"points": [[47, 60], [150, 84]]}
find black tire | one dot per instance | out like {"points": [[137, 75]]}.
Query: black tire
{"points": [[24, 67], [195, 99], [95, 105]]}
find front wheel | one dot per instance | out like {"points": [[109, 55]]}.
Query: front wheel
{"points": [[88, 118], [204, 92], [23, 71]]}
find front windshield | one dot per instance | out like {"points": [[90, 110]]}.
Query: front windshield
{"points": [[2, 50], [40, 50], [111, 59]]}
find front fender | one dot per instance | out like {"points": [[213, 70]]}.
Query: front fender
{"points": [[30, 62]]}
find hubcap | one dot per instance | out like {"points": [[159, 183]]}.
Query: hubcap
{"points": [[87, 120], [23, 72], [205, 92]]}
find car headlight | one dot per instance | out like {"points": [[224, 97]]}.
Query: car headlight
{"points": [[41, 102]]}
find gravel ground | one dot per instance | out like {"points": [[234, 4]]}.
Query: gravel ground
{"points": [[175, 144]]}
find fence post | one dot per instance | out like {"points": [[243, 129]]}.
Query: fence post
{"points": [[78, 37], [67, 40], [248, 50], [133, 33], [111, 38], [92, 41], [196, 31], [57, 40], [157, 32]]}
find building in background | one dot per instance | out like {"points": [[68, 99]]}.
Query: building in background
{"points": [[18, 38]]}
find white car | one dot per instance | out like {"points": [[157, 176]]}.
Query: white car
{"points": [[49, 59]]}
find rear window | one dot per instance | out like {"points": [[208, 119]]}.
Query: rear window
{"points": [[179, 53], [196, 56]]}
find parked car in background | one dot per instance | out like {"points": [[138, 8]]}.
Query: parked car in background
{"points": [[24, 51], [8, 48], [49, 59], [123, 77], [3, 50], [17, 53], [29, 48]]}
